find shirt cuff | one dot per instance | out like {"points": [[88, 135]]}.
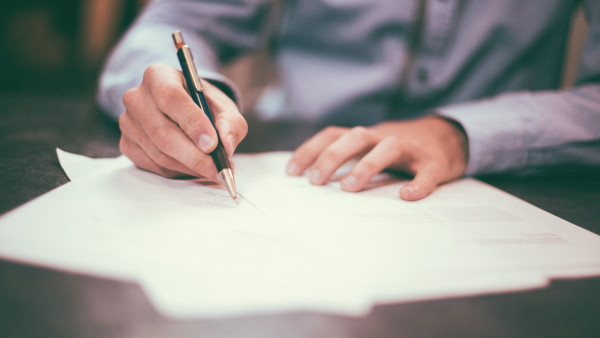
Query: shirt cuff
{"points": [[495, 133]]}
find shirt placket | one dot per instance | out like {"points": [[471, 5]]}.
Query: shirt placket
{"points": [[438, 19]]}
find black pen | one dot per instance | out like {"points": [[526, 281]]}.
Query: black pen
{"points": [[197, 92]]}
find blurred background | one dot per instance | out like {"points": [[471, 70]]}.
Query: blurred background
{"points": [[58, 46]]}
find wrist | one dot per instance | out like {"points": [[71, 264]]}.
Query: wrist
{"points": [[455, 135]]}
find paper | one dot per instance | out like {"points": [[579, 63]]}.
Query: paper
{"points": [[287, 245]]}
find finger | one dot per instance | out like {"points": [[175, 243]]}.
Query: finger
{"points": [[350, 144], [231, 136], [167, 136], [137, 146], [141, 160], [425, 181], [167, 87], [310, 150], [382, 156], [158, 131], [231, 125]]}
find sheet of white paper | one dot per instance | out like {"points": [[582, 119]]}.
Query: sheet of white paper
{"points": [[76, 166], [176, 238], [398, 249], [288, 245]]}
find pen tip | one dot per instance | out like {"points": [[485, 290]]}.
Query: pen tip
{"points": [[227, 177]]}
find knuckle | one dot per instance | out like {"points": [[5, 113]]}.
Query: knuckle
{"points": [[161, 136], [222, 125], [333, 130], [190, 122], [242, 126], [395, 143], [367, 165], [243, 131], [363, 134], [123, 123], [130, 98], [152, 72], [235, 125], [359, 131], [332, 155], [166, 98], [124, 146], [126, 123], [123, 117]]}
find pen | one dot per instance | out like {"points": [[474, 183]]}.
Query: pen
{"points": [[197, 92]]}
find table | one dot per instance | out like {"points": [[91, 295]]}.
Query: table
{"points": [[39, 302]]}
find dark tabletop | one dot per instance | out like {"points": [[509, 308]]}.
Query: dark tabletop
{"points": [[39, 302]]}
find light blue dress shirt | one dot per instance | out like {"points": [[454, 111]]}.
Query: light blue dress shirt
{"points": [[494, 66]]}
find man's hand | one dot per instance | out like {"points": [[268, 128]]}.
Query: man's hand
{"points": [[433, 149], [165, 132]]}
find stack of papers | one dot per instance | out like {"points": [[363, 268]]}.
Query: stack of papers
{"points": [[287, 245]]}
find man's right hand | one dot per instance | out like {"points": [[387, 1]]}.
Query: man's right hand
{"points": [[164, 131]]}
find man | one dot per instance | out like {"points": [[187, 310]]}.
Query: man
{"points": [[435, 88]]}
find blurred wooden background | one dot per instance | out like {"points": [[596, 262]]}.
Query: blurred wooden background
{"points": [[59, 45]]}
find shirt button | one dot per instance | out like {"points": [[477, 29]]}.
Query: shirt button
{"points": [[422, 75]]}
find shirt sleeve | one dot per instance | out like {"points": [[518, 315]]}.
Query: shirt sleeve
{"points": [[527, 131], [216, 31]]}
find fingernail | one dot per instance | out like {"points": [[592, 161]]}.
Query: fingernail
{"points": [[314, 176], [348, 182], [407, 191], [206, 143], [292, 169]]}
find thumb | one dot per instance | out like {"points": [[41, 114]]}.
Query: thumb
{"points": [[423, 184]]}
